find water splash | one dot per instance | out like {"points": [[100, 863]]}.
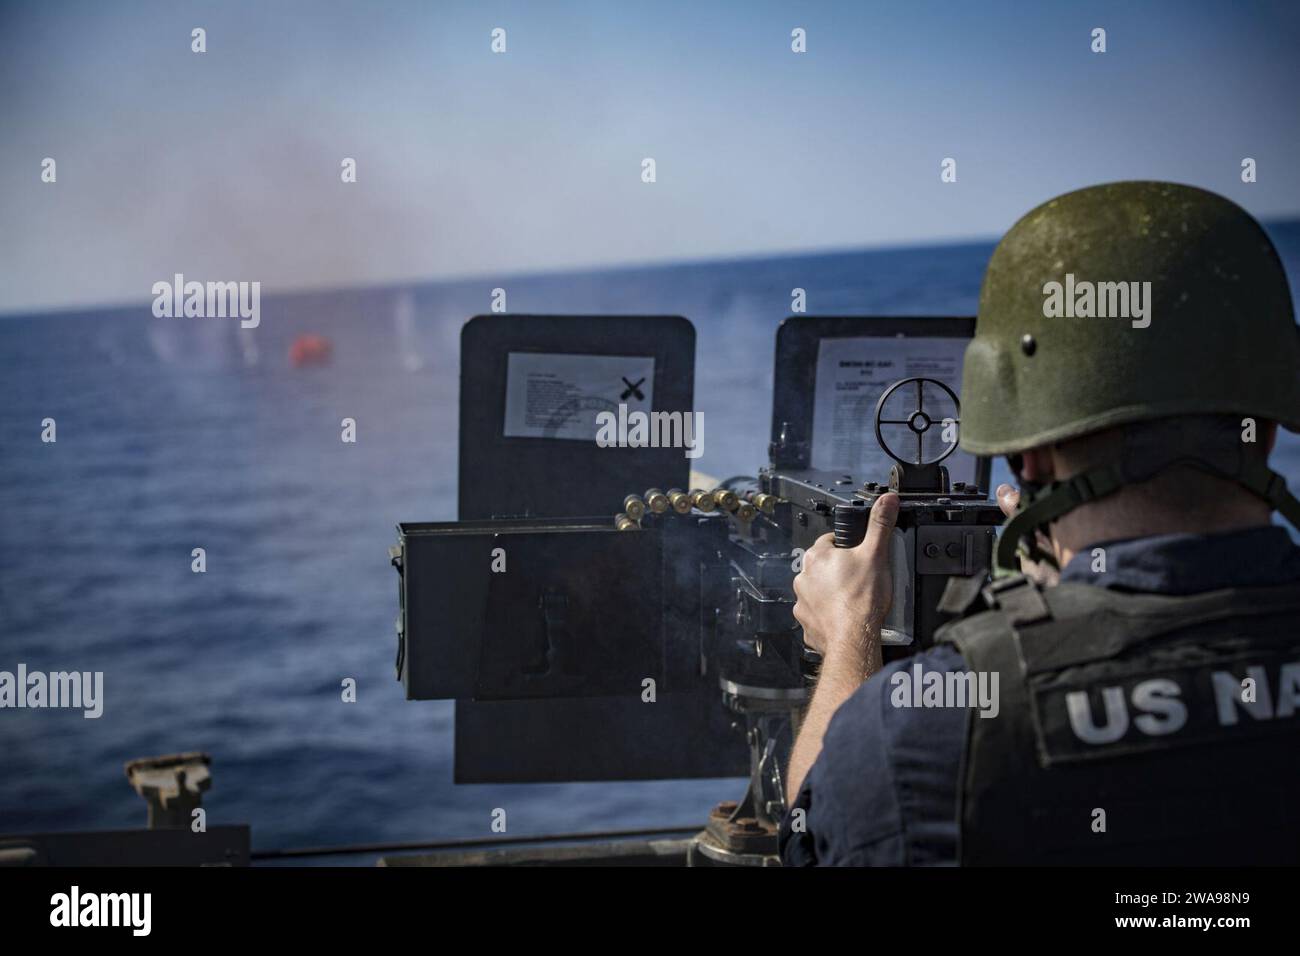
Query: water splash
{"points": [[407, 334]]}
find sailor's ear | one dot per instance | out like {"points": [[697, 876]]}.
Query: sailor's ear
{"points": [[1038, 465]]}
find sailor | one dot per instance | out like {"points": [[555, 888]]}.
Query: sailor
{"points": [[1148, 650]]}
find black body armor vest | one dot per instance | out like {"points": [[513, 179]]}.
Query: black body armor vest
{"points": [[1133, 728]]}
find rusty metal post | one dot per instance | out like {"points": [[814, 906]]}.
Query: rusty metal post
{"points": [[172, 785]]}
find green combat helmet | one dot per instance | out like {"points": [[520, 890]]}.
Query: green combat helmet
{"points": [[1130, 302]]}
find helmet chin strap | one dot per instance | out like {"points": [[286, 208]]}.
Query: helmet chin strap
{"points": [[1040, 505], [1145, 454]]}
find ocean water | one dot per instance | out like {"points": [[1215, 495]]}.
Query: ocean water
{"points": [[177, 434]]}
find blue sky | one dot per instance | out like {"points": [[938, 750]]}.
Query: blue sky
{"points": [[225, 165]]}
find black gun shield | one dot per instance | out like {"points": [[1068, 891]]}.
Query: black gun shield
{"points": [[616, 737], [798, 344], [510, 476]]}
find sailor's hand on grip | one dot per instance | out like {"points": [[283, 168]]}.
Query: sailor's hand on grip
{"points": [[843, 594], [850, 522]]}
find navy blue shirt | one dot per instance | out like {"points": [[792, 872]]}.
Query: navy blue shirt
{"points": [[883, 792]]}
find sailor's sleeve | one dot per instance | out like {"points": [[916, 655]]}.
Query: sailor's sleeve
{"points": [[846, 812], [795, 841]]}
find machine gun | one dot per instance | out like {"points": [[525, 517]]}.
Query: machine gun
{"points": [[682, 597]]}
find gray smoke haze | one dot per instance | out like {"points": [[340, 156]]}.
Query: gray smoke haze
{"points": [[225, 165]]}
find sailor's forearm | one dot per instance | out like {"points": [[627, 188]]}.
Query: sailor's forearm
{"points": [[846, 665]]}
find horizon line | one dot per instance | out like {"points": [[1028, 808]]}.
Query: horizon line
{"points": [[645, 265]]}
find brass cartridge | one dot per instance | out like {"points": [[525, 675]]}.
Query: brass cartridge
{"points": [[703, 499], [727, 499], [680, 500], [656, 501]]}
